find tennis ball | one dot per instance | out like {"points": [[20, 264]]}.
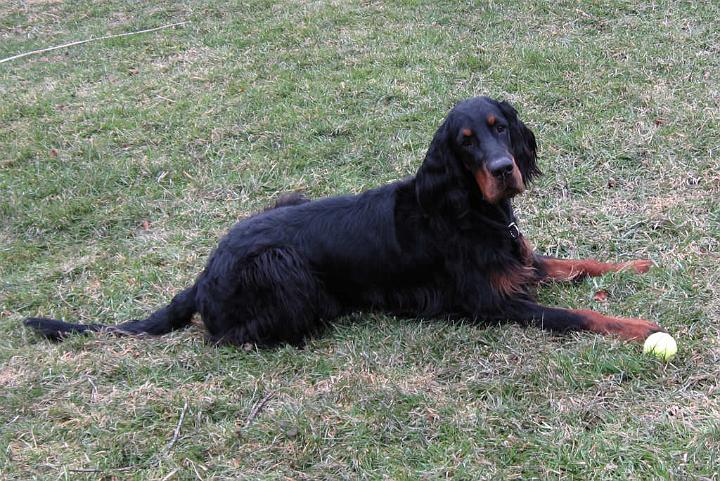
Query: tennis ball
{"points": [[662, 345]]}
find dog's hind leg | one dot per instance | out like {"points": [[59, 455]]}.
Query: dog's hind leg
{"points": [[292, 198], [269, 299]]}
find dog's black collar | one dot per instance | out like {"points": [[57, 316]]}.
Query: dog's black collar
{"points": [[514, 230]]}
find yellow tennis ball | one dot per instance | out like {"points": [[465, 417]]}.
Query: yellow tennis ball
{"points": [[662, 345]]}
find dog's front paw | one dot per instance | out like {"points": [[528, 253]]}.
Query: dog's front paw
{"points": [[636, 329], [639, 266]]}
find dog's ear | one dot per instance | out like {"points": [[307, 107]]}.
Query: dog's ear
{"points": [[439, 181], [523, 144]]}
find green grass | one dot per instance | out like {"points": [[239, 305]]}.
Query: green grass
{"points": [[186, 130]]}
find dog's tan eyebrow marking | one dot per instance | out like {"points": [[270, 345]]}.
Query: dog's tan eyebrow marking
{"points": [[491, 120], [467, 132]]}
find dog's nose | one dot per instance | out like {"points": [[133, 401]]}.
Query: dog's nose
{"points": [[500, 167]]}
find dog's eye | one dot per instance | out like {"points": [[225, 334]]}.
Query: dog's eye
{"points": [[467, 141], [500, 129]]}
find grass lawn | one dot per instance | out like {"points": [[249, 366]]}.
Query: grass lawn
{"points": [[122, 161]]}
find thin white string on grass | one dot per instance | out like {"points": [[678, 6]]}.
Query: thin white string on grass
{"points": [[127, 34]]}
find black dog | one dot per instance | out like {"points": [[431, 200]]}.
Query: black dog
{"points": [[442, 244]]}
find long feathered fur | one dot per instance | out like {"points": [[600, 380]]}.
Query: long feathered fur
{"points": [[428, 246]]}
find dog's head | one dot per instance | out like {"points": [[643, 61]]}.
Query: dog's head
{"points": [[481, 145]]}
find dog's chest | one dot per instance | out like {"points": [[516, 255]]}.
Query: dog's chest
{"points": [[517, 275]]}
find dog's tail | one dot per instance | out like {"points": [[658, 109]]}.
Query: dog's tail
{"points": [[175, 315]]}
